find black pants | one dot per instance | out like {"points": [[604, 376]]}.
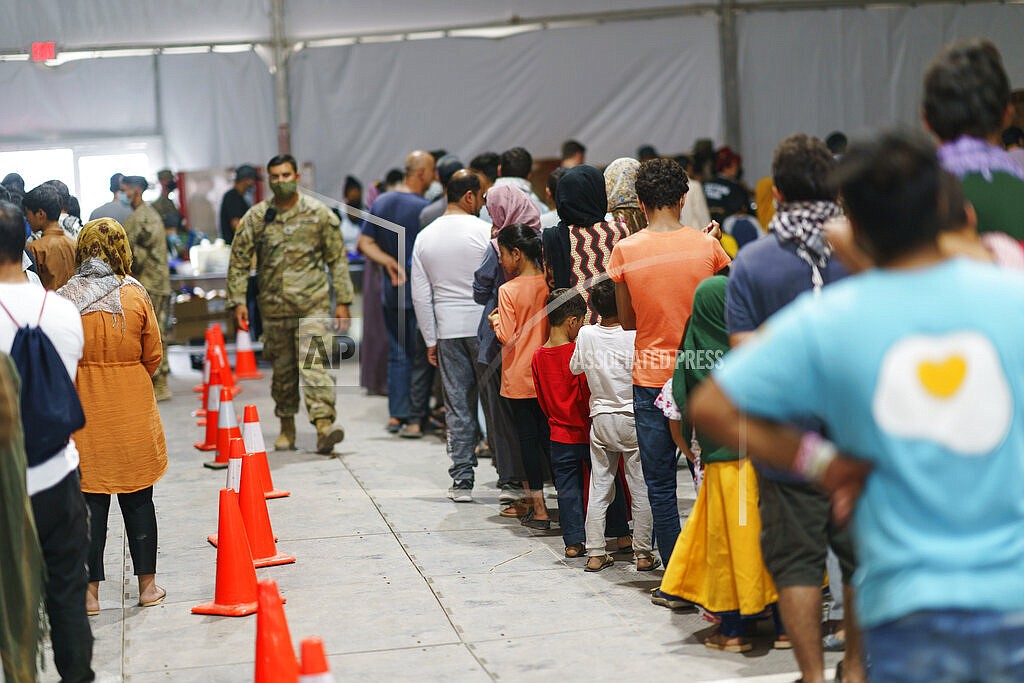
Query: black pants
{"points": [[534, 439], [64, 537], [139, 522]]}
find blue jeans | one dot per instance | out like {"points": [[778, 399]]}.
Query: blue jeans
{"points": [[658, 457], [567, 462], [948, 646], [410, 376]]}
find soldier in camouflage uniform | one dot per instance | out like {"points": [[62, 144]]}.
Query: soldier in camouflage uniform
{"points": [[293, 238], [163, 204], [148, 238]]}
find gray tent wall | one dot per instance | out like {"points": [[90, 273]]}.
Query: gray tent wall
{"points": [[852, 69], [359, 108]]}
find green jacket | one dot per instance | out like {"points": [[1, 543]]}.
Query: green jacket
{"points": [[148, 238], [293, 253]]}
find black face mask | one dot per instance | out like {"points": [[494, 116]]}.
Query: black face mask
{"points": [[172, 186]]}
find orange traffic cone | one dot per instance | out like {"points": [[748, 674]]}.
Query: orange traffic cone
{"points": [[235, 452], [256, 519], [221, 355], [235, 594], [212, 413], [252, 434], [206, 371], [227, 429], [275, 658], [313, 668], [245, 357]]}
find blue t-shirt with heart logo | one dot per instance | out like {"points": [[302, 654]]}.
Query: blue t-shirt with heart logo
{"points": [[920, 372]]}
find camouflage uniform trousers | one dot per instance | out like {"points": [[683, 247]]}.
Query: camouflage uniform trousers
{"points": [[292, 351], [162, 308]]}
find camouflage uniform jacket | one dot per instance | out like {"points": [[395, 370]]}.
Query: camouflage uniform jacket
{"points": [[291, 251], [148, 238]]}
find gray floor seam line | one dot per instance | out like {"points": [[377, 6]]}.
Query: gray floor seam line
{"points": [[124, 570], [405, 550]]}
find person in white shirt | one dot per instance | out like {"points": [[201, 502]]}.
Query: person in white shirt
{"points": [[604, 352], [53, 485], [444, 259]]}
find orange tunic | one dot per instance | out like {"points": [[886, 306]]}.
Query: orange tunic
{"points": [[522, 327], [122, 447]]}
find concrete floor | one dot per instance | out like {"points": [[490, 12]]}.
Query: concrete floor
{"points": [[401, 583]]}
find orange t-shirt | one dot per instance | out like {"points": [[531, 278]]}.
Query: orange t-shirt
{"points": [[522, 328], [662, 270]]}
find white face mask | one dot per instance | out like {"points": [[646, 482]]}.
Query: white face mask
{"points": [[122, 197]]}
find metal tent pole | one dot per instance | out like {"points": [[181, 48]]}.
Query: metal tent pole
{"points": [[280, 69]]}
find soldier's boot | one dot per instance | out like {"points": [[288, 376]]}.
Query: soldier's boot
{"points": [[327, 434], [286, 442], [160, 388]]}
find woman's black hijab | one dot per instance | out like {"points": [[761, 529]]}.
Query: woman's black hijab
{"points": [[581, 198]]}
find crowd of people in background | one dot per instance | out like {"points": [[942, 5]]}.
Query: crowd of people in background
{"points": [[597, 330], [837, 342]]}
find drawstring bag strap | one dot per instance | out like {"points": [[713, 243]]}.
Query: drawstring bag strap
{"points": [[41, 308]]}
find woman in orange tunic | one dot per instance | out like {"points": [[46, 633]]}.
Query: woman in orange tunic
{"points": [[122, 447]]}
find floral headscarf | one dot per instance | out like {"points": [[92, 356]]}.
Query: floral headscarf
{"points": [[620, 184], [105, 239], [507, 204]]}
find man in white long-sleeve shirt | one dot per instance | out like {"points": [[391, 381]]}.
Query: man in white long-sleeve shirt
{"points": [[446, 254]]}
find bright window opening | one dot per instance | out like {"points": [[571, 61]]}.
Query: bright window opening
{"points": [[38, 166], [95, 171]]}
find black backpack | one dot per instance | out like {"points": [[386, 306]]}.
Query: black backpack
{"points": [[50, 409]]}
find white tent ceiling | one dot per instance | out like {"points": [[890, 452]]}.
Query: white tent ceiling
{"points": [[612, 82]]}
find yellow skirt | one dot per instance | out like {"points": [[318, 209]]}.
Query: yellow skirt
{"points": [[717, 560]]}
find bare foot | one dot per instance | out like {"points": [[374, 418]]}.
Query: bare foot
{"points": [[624, 543], [92, 598], [149, 593]]}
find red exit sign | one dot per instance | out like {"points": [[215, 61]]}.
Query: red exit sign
{"points": [[42, 52]]}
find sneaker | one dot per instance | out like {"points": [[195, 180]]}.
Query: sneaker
{"points": [[510, 493], [833, 643], [461, 492]]}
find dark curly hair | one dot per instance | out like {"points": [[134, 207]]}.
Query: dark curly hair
{"points": [[572, 306], [966, 91], [661, 182], [800, 169]]}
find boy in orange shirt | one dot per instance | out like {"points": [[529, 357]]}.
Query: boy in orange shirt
{"points": [[656, 272]]}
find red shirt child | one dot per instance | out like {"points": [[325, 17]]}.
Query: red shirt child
{"points": [[563, 396]]}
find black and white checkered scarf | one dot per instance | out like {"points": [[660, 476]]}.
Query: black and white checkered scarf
{"points": [[802, 224]]}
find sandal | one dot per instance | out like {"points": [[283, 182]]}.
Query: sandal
{"points": [[718, 641], [575, 550], [782, 643], [652, 563], [606, 561], [153, 603], [531, 522], [517, 509]]}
